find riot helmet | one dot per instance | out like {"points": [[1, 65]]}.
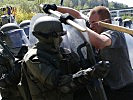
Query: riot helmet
{"points": [[5, 19], [25, 25], [48, 30], [14, 37], [9, 26]]}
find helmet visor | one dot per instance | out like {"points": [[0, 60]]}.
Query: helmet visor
{"points": [[16, 38]]}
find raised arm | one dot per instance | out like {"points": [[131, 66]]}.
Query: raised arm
{"points": [[71, 11]]}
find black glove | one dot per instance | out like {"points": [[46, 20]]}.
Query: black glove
{"points": [[46, 7], [101, 69], [65, 17]]}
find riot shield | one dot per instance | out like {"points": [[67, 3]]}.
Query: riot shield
{"points": [[129, 42], [73, 38], [33, 40], [79, 43], [26, 30], [25, 25]]}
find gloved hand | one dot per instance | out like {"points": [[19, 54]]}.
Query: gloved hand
{"points": [[65, 17], [101, 69], [46, 7]]}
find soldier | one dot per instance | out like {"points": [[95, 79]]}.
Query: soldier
{"points": [[50, 69], [10, 56]]}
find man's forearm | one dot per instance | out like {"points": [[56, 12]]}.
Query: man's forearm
{"points": [[97, 40], [71, 11]]}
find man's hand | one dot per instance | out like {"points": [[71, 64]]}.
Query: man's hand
{"points": [[46, 7]]}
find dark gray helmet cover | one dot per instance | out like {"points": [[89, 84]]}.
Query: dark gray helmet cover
{"points": [[48, 26]]}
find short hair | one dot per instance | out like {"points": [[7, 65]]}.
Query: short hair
{"points": [[102, 11]]}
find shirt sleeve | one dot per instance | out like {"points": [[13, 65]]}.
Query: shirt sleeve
{"points": [[113, 35]]}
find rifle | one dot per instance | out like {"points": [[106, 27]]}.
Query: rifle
{"points": [[7, 53]]}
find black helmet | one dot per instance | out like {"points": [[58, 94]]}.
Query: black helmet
{"points": [[24, 23], [14, 37], [47, 26]]}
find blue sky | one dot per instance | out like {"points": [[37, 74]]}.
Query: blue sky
{"points": [[127, 2]]}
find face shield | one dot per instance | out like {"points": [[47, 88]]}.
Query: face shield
{"points": [[15, 39], [26, 30]]}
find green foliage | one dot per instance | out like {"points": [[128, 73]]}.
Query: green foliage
{"points": [[115, 5], [27, 8], [23, 15], [127, 17]]}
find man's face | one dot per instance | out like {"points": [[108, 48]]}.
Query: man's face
{"points": [[93, 21]]}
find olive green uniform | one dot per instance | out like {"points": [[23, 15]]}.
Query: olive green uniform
{"points": [[45, 70]]}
